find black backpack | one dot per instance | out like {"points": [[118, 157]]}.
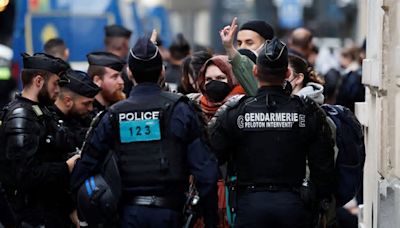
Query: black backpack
{"points": [[350, 159]]}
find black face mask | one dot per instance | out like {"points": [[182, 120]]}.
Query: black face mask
{"points": [[287, 87], [217, 91]]}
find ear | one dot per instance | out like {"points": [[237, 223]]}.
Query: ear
{"points": [[68, 101], [255, 71], [66, 53], [288, 73], [97, 80], [129, 73], [38, 81], [161, 78], [162, 74], [300, 79]]}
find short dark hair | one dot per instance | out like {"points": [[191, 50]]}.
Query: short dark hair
{"points": [[94, 70], [55, 47], [352, 53], [64, 91], [302, 41], [180, 47], [149, 75], [28, 74], [113, 42], [264, 75], [191, 66]]}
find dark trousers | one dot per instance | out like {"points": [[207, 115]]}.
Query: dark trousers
{"points": [[149, 217], [279, 209], [49, 221]]}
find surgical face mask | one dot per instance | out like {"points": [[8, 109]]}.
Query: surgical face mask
{"points": [[257, 51], [217, 90]]}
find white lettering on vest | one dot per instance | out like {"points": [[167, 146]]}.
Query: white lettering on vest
{"points": [[130, 116]]}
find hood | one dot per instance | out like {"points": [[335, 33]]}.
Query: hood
{"points": [[313, 91]]}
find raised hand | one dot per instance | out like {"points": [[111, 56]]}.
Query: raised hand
{"points": [[153, 37], [227, 34]]}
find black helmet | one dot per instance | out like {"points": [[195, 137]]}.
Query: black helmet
{"points": [[99, 195], [96, 202]]}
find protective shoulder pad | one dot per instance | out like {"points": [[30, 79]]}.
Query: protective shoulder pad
{"points": [[195, 97], [232, 102], [19, 120], [310, 106]]}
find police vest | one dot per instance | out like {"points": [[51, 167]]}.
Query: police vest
{"points": [[47, 147], [273, 135], [148, 154]]}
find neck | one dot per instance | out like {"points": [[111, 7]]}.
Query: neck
{"points": [[353, 66], [30, 94], [175, 62], [61, 106], [296, 90], [262, 84], [101, 100]]}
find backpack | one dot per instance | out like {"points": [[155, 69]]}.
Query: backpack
{"points": [[350, 158]]}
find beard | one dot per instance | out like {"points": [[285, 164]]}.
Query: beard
{"points": [[113, 97], [75, 114], [44, 97]]}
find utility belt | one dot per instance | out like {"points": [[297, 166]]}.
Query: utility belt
{"points": [[174, 203], [306, 190], [268, 188]]}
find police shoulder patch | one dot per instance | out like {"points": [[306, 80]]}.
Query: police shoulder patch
{"points": [[37, 110]]}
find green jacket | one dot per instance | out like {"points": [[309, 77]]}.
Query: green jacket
{"points": [[242, 68]]}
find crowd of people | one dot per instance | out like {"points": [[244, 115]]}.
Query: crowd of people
{"points": [[246, 132]]}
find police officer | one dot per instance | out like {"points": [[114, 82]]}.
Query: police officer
{"points": [[105, 71], [74, 104], [269, 137], [158, 139], [34, 170], [117, 42]]}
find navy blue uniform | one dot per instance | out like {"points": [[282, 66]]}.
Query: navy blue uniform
{"points": [[269, 137], [185, 126], [351, 90]]}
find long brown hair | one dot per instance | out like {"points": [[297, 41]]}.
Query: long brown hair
{"points": [[191, 67], [300, 65]]}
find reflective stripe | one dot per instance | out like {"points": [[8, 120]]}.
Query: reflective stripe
{"points": [[88, 188], [92, 183]]}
